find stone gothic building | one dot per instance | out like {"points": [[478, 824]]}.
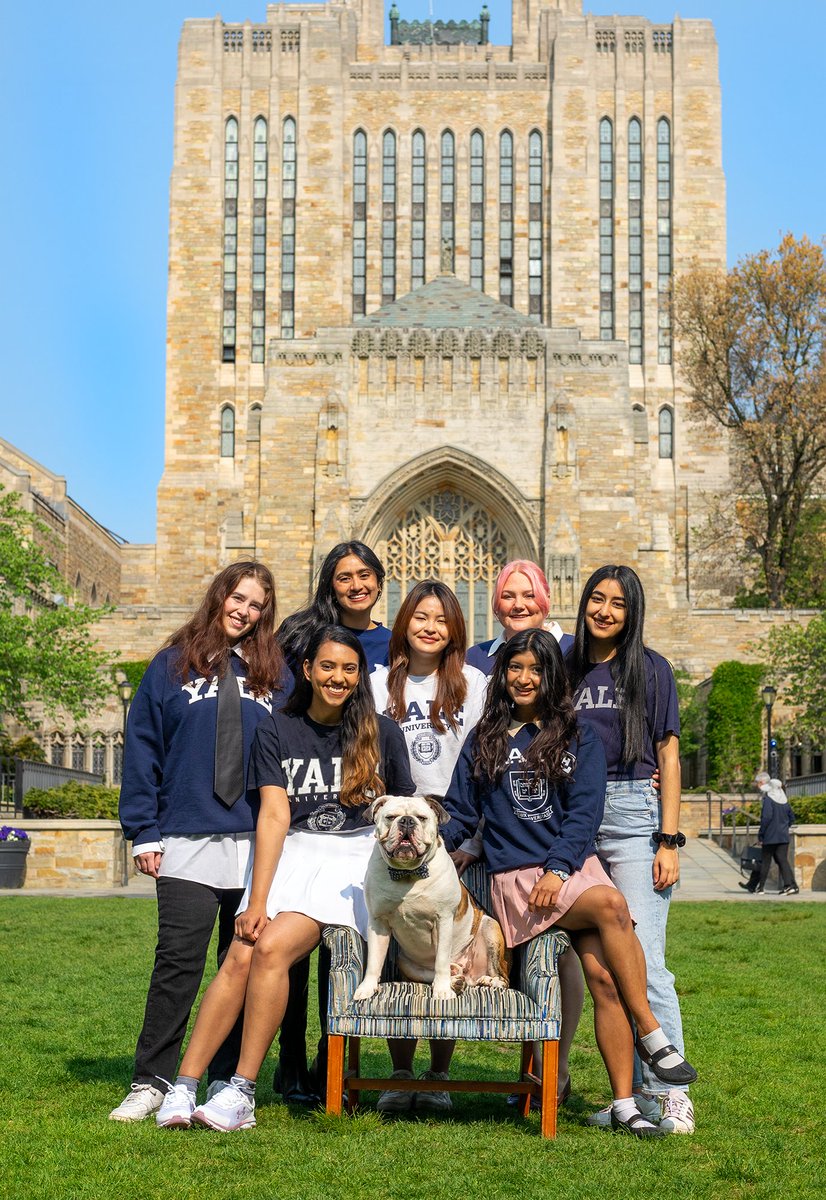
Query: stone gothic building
{"points": [[419, 294]]}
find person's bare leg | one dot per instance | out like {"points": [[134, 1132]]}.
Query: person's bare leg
{"points": [[402, 1053], [604, 909], [612, 1027], [222, 1002], [572, 986], [441, 1052], [287, 938]]}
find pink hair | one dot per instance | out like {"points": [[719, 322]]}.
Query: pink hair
{"points": [[540, 585]]}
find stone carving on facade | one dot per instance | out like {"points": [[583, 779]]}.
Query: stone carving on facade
{"points": [[476, 344], [362, 344], [503, 344], [419, 344], [390, 344], [447, 343], [532, 344]]}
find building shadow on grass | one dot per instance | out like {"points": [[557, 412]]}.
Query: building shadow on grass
{"points": [[101, 1068]]}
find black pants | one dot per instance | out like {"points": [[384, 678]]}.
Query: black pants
{"points": [[186, 918], [292, 1041], [779, 852]]}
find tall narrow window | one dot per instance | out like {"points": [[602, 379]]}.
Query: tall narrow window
{"points": [[359, 223], [417, 215], [230, 237], [666, 432], [535, 224], [288, 229], [506, 218], [388, 217], [606, 229], [254, 424], [227, 432], [448, 196], [477, 211], [663, 241], [635, 177], [259, 237]]}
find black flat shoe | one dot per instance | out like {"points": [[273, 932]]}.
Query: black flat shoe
{"points": [[683, 1073], [746, 887], [636, 1125]]}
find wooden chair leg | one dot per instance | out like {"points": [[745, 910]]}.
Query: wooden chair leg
{"points": [[335, 1073], [353, 1067], [550, 1068]]}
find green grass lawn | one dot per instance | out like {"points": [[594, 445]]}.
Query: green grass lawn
{"points": [[751, 980]]}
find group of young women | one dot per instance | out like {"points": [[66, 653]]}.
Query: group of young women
{"points": [[543, 746]]}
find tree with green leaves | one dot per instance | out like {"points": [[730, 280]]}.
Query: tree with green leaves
{"points": [[750, 343], [46, 649], [797, 657], [734, 732]]}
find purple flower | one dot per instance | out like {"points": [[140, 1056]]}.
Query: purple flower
{"points": [[8, 834]]}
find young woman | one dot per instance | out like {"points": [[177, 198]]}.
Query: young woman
{"points": [[626, 693], [317, 765], [521, 600], [539, 782], [194, 842], [349, 584], [436, 699]]}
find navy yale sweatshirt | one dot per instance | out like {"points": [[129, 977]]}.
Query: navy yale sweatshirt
{"points": [[528, 823]]}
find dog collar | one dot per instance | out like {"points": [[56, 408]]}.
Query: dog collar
{"points": [[399, 875]]}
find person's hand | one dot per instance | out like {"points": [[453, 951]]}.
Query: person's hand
{"points": [[666, 868], [149, 863], [544, 893], [250, 924], [462, 860], [655, 780]]}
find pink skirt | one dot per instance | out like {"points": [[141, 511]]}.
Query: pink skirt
{"points": [[510, 890]]}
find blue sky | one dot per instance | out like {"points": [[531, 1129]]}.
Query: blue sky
{"points": [[84, 206]]}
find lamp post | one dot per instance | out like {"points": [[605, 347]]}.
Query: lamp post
{"points": [[125, 690], [769, 695]]}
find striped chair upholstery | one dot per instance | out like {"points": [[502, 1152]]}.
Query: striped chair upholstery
{"points": [[527, 1014]]}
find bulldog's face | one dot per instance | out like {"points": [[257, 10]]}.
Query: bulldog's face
{"points": [[407, 827]]}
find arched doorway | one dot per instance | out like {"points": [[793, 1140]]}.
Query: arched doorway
{"points": [[452, 537]]}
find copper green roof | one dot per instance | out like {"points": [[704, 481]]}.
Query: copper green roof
{"points": [[446, 303]]}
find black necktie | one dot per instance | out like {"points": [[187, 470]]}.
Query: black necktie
{"points": [[229, 740]]}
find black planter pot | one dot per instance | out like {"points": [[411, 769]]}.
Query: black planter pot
{"points": [[13, 863]]}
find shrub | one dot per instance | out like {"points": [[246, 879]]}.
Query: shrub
{"points": [[88, 801], [809, 810], [733, 725]]}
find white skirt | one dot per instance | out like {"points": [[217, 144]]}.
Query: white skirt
{"points": [[322, 876]]}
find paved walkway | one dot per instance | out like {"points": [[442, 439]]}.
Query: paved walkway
{"points": [[707, 873]]}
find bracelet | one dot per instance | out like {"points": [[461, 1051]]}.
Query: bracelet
{"points": [[671, 841]]}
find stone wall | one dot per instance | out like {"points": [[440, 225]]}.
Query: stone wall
{"points": [[67, 854]]}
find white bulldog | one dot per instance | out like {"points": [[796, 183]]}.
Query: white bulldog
{"points": [[413, 892]]}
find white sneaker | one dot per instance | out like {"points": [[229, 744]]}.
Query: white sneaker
{"points": [[143, 1100], [396, 1101], [678, 1113], [228, 1110], [648, 1105], [177, 1108], [433, 1101]]}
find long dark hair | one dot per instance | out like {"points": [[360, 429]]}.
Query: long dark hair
{"points": [[203, 646], [451, 685], [628, 665], [295, 631], [360, 752], [555, 712]]}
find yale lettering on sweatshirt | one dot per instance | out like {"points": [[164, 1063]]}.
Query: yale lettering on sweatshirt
{"points": [[195, 690], [586, 698], [307, 775]]}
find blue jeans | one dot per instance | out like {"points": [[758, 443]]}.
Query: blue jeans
{"points": [[626, 850]]}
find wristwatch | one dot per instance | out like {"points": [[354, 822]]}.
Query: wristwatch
{"points": [[671, 841], [563, 875]]}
